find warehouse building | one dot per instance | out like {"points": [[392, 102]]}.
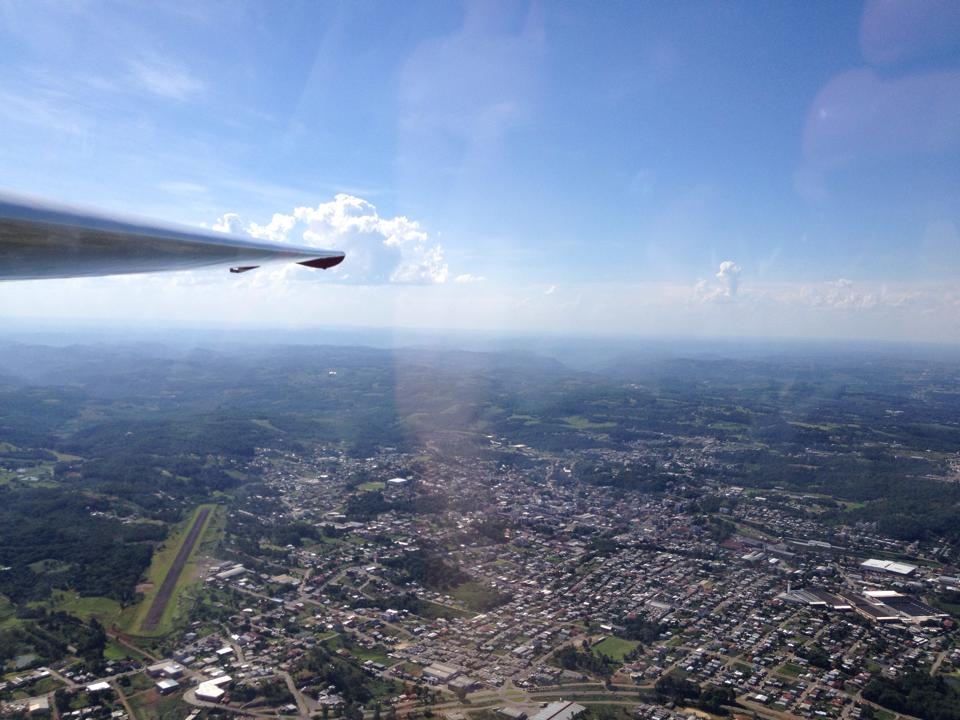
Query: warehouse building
{"points": [[888, 567]]}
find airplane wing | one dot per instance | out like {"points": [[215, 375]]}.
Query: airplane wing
{"points": [[40, 240]]}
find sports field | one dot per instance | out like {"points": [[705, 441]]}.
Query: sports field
{"points": [[616, 648]]}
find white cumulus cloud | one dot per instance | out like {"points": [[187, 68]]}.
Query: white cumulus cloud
{"points": [[229, 223], [729, 277], [724, 289], [379, 250]]}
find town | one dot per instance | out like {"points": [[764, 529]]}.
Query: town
{"points": [[478, 586]]}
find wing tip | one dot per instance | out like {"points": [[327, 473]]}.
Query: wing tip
{"points": [[323, 263]]}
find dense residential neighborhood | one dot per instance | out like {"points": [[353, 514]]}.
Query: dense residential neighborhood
{"points": [[644, 582]]}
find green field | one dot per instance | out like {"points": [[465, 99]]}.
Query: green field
{"points": [[150, 705], [136, 683], [376, 655], [582, 423], [616, 648], [790, 670], [116, 651], [8, 616], [49, 566], [952, 608], [107, 610], [477, 596], [432, 610]]}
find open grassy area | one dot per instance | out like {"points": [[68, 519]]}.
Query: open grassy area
{"points": [[790, 670], [151, 705], [952, 608], [212, 535], [730, 427], [377, 655], [432, 611], [477, 596], [582, 423], [162, 563], [373, 485], [7, 614], [116, 651], [50, 565], [616, 648], [106, 610], [336, 641], [265, 424], [136, 683], [525, 419], [65, 457], [41, 687]]}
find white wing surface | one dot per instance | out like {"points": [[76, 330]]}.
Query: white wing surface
{"points": [[42, 240]]}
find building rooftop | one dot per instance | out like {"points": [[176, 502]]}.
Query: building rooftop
{"points": [[897, 568], [559, 711]]}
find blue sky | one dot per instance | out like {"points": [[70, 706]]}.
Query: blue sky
{"points": [[735, 168]]}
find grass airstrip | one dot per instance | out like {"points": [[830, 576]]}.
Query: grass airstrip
{"points": [[163, 564], [130, 619]]}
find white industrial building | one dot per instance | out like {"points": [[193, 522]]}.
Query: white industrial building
{"points": [[888, 566], [212, 690], [167, 686], [559, 711]]}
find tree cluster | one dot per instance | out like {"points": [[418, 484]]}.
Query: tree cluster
{"points": [[584, 660], [916, 693]]}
